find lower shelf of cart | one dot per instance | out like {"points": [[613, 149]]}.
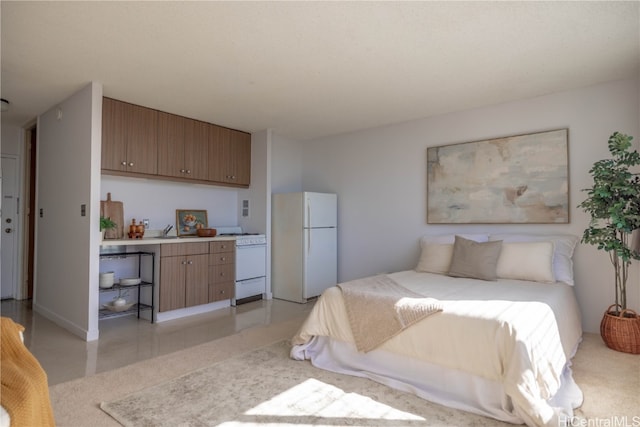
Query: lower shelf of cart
{"points": [[105, 313]]}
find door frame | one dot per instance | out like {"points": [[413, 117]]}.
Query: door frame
{"points": [[25, 235], [29, 150]]}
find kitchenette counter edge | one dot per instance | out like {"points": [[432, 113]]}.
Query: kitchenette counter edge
{"points": [[157, 240]]}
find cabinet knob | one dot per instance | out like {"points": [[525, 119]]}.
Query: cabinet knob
{"points": [[189, 262], [223, 258], [222, 292], [123, 163], [182, 171], [130, 163], [184, 262], [188, 171]]}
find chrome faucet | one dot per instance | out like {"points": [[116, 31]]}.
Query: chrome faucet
{"points": [[166, 230]]}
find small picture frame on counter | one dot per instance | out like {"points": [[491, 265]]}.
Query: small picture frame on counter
{"points": [[188, 221]]}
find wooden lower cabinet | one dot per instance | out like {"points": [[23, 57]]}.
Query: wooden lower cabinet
{"points": [[222, 270], [184, 275]]}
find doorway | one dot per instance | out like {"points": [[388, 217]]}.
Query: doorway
{"points": [[17, 220], [10, 226]]}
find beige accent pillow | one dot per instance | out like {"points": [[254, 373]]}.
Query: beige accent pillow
{"points": [[435, 258], [526, 261], [475, 260]]}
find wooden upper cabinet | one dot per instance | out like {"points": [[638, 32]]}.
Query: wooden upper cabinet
{"points": [[218, 148], [182, 147], [170, 144], [196, 149], [139, 140], [129, 137], [114, 145], [229, 156]]}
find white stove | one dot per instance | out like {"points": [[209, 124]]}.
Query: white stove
{"points": [[251, 264]]}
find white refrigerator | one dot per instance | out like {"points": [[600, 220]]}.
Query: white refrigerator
{"points": [[304, 259]]}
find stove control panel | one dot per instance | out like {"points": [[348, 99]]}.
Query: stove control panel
{"points": [[259, 239]]}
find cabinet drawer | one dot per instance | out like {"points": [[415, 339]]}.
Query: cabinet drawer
{"points": [[221, 291], [222, 273], [222, 258], [222, 246], [179, 249]]}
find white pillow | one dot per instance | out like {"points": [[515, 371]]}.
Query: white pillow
{"points": [[563, 247], [435, 258], [451, 238], [526, 261], [437, 251]]}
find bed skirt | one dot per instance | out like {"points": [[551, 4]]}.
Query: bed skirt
{"points": [[452, 388]]}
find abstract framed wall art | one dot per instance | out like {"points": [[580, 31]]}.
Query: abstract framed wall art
{"points": [[515, 179]]}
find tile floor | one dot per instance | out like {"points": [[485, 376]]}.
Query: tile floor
{"points": [[126, 340]]}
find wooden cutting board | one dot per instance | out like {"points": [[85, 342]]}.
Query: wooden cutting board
{"points": [[114, 211]]}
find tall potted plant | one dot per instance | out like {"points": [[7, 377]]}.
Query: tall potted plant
{"points": [[614, 205]]}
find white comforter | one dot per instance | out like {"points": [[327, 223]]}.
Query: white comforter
{"points": [[520, 334]]}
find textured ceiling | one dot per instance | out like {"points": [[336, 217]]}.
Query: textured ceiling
{"points": [[311, 69]]}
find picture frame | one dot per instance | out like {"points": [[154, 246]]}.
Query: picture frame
{"points": [[188, 221], [521, 179]]}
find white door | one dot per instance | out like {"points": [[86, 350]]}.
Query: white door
{"points": [[320, 261], [9, 242], [321, 210]]}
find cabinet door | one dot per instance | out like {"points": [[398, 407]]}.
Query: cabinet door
{"points": [[172, 283], [129, 142], [114, 145], [196, 150], [229, 156], [171, 145], [218, 152], [142, 141], [240, 157], [197, 280]]}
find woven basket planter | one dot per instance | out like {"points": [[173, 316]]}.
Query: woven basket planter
{"points": [[621, 331]]}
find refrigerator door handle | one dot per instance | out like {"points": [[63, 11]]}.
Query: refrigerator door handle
{"points": [[309, 213], [308, 240]]}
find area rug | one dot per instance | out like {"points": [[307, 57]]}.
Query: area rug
{"points": [[265, 387]]}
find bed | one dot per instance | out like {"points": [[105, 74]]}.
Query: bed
{"points": [[497, 338]]}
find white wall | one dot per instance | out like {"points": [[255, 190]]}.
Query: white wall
{"points": [[11, 142], [67, 265], [286, 165], [380, 178], [158, 200], [258, 192]]}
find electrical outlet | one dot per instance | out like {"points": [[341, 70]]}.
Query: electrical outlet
{"points": [[145, 222]]}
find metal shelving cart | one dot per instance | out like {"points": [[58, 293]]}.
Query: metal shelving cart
{"points": [[136, 308]]}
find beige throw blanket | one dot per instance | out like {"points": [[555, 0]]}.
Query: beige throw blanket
{"points": [[25, 391], [378, 309]]}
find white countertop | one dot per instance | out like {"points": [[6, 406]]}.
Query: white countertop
{"points": [[157, 241]]}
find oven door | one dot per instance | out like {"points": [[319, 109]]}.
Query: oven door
{"points": [[251, 261]]}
